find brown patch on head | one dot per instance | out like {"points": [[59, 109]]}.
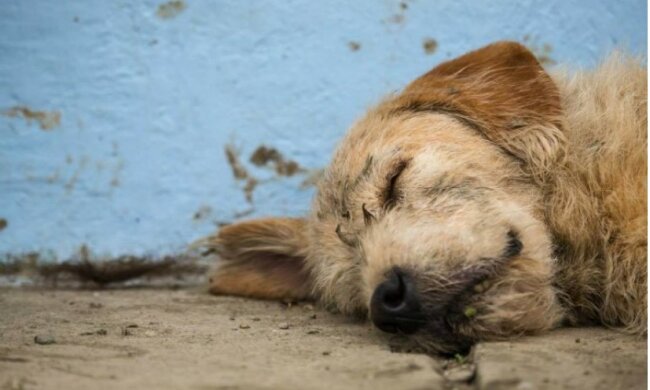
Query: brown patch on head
{"points": [[262, 259], [265, 156], [47, 120], [170, 9], [499, 87], [430, 45], [502, 91]]}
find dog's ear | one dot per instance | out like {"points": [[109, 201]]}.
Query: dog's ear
{"points": [[502, 91], [262, 258]]}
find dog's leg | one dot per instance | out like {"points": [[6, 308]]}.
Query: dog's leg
{"points": [[262, 258]]}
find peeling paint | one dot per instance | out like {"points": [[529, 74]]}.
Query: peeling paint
{"points": [[3, 224], [117, 170], [72, 180], [430, 45], [354, 46], [265, 156], [47, 120], [238, 170], [171, 9], [240, 173], [202, 213], [399, 17]]}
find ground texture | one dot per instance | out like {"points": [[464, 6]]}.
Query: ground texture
{"points": [[185, 339]]}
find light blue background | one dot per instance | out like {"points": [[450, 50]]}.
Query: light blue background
{"points": [[148, 104]]}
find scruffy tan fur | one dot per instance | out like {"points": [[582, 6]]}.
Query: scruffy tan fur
{"points": [[439, 178]]}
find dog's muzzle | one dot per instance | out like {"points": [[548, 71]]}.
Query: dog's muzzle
{"points": [[395, 306]]}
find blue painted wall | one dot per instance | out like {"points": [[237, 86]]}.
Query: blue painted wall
{"points": [[115, 115]]}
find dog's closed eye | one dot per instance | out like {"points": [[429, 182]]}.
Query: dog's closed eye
{"points": [[390, 194], [514, 246]]}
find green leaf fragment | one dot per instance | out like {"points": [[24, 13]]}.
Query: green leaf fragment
{"points": [[469, 312]]}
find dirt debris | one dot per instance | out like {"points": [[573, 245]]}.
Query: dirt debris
{"points": [[44, 339]]}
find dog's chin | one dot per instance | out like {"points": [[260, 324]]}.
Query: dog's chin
{"points": [[521, 302]]}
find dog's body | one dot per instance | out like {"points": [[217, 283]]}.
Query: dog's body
{"points": [[485, 201]]}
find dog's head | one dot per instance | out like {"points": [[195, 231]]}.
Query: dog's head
{"points": [[430, 218]]}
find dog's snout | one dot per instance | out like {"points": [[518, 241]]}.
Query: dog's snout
{"points": [[395, 305]]}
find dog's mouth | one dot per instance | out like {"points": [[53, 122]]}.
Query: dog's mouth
{"points": [[429, 306]]}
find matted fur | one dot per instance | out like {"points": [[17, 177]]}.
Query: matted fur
{"points": [[439, 179]]}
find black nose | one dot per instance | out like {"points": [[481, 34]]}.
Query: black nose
{"points": [[395, 306]]}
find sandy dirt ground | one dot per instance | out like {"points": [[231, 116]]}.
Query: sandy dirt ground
{"points": [[185, 339]]}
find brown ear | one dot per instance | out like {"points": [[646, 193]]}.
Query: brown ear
{"points": [[502, 91], [262, 258]]}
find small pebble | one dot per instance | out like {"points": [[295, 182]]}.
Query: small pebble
{"points": [[150, 333], [283, 325], [132, 326], [577, 340], [460, 374], [95, 305], [102, 332], [244, 326], [326, 353], [313, 316], [256, 319], [44, 339], [232, 318], [313, 331]]}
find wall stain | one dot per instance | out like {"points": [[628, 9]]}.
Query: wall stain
{"points": [[265, 157], [202, 213], [541, 50], [86, 267], [72, 180], [47, 120], [238, 170], [240, 173], [429, 45], [399, 17], [170, 9], [117, 170], [354, 46], [3, 224]]}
